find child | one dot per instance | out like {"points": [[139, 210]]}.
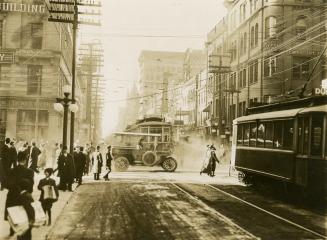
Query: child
{"points": [[45, 199]]}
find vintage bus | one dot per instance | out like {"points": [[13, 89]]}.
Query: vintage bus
{"points": [[283, 141]]}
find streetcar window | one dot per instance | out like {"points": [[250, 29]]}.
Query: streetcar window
{"points": [[246, 135], [253, 134], [166, 134], [306, 135], [156, 130], [300, 136], [316, 134], [288, 135], [240, 135], [261, 135], [278, 134], [269, 135]]}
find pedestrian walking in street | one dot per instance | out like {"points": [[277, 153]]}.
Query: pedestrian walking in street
{"points": [[79, 161], [13, 154], [109, 158], [33, 157], [213, 160], [66, 170], [97, 161], [20, 181], [49, 192], [88, 159], [5, 162]]}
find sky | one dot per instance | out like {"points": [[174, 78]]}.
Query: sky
{"points": [[130, 26]]}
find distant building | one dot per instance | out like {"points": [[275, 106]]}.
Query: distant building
{"points": [[35, 63]]}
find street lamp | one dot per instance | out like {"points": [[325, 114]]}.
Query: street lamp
{"points": [[62, 105]]}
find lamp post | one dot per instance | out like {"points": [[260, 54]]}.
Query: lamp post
{"points": [[63, 105]]}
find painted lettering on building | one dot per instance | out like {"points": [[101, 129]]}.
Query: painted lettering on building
{"points": [[22, 7], [320, 91], [6, 57]]}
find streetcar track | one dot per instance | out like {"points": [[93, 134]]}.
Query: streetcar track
{"points": [[268, 212], [212, 210]]}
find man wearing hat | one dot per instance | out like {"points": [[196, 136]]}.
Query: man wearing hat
{"points": [[66, 170]]}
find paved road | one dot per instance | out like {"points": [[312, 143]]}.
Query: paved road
{"points": [[140, 210], [183, 205]]}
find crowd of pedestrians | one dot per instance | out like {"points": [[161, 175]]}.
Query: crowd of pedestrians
{"points": [[20, 161]]}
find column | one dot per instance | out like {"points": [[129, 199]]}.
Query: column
{"points": [[54, 127], [11, 126]]}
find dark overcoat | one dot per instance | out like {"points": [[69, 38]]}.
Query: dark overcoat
{"points": [[66, 168], [16, 176], [80, 162]]}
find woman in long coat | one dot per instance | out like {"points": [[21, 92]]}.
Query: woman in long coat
{"points": [[97, 162]]}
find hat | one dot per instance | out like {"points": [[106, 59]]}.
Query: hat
{"points": [[212, 147], [49, 170]]}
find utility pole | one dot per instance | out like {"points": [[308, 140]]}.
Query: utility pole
{"points": [[67, 11]]}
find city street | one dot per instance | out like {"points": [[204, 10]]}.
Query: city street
{"points": [[183, 205]]}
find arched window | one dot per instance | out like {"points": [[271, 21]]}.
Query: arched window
{"points": [[252, 37], [301, 26], [270, 26], [256, 34]]}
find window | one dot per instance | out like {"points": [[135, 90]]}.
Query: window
{"points": [[316, 134], [3, 123], [36, 35], [245, 42], [252, 37], [244, 78], [26, 116], [278, 134], [261, 135], [253, 102], [256, 34], [301, 27], [269, 127], [253, 134], [253, 72], [34, 78], [232, 82], [300, 68], [240, 135], [246, 134], [270, 26], [288, 135], [1, 32], [43, 117], [241, 108], [300, 135], [270, 66]]}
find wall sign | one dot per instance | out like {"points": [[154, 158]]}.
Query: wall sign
{"points": [[7, 57], [22, 7]]}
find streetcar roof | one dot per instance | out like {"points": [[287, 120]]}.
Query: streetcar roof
{"points": [[137, 134], [321, 108], [153, 123], [269, 115]]}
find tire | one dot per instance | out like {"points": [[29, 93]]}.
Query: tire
{"points": [[121, 164], [169, 164], [149, 158]]}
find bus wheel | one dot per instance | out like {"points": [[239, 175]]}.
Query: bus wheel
{"points": [[121, 164], [169, 164]]}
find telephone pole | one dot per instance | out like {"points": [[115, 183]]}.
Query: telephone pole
{"points": [[68, 11]]}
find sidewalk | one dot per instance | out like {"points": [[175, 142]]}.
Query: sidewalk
{"points": [[41, 232]]}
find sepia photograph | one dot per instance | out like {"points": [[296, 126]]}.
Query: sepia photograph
{"points": [[163, 119]]}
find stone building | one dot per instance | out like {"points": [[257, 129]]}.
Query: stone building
{"points": [[35, 64], [263, 50]]}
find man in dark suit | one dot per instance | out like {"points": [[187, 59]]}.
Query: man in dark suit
{"points": [[66, 170], [33, 158], [79, 161], [5, 162], [13, 154], [18, 177]]}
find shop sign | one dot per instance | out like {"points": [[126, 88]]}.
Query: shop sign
{"points": [[21, 7], [320, 91], [7, 57]]}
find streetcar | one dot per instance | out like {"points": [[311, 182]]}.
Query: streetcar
{"points": [[148, 142], [283, 141]]}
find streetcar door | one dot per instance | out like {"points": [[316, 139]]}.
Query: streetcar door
{"points": [[234, 139]]}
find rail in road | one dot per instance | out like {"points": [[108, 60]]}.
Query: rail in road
{"points": [[169, 209], [257, 220]]}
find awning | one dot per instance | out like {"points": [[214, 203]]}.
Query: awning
{"points": [[269, 115], [322, 108]]}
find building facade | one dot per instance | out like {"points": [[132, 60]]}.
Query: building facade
{"points": [[35, 64]]}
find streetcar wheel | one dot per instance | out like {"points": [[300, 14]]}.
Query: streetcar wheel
{"points": [[121, 164], [169, 164]]}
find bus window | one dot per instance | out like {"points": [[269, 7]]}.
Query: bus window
{"points": [[316, 134], [246, 135], [261, 135], [278, 134], [253, 134], [288, 135], [306, 135], [240, 135], [300, 136], [269, 135]]}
